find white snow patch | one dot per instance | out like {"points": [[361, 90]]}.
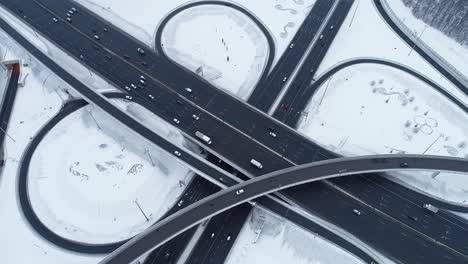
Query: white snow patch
{"points": [[231, 53], [369, 109], [87, 183], [35, 104], [366, 34], [268, 238], [452, 51]]}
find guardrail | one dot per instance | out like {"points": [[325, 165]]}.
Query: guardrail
{"points": [[444, 63]]}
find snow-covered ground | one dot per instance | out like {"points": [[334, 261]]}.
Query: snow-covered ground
{"points": [[365, 34], [36, 103], [268, 238], [370, 108], [88, 182], [39, 100], [449, 49], [231, 53]]}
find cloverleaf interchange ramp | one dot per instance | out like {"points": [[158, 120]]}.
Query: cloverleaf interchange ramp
{"points": [[243, 192], [284, 146], [99, 100]]}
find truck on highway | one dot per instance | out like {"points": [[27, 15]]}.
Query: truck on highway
{"points": [[431, 208], [203, 137]]}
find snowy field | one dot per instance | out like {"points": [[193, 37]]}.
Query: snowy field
{"points": [[268, 238], [365, 34], [370, 109], [88, 182], [452, 51], [36, 103], [230, 54]]}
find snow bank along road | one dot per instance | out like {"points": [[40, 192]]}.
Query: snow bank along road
{"points": [[218, 112], [228, 198]]}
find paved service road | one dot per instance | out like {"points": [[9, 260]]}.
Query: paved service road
{"points": [[251, 189]]}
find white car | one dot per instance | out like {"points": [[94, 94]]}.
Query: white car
{"points": [[356, 212], [239, 192]]}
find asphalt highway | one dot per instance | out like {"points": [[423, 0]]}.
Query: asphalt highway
{"points": [[268, 89], [204, 98], [314, 59], [8, 100], [219, 236], [228, 198]]}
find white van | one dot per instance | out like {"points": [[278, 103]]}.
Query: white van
{"points": [[203, 137]]}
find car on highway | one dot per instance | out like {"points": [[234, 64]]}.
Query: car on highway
{"points": [[356, 212], [177, 121], [256, 164], [431, 208], [188, 90], [195, 117], [96, 37], [291, 46], [240, 191], [141, 51], [272, 134], [285, 79]]}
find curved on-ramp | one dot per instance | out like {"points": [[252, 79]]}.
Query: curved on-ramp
{"points": [[23, 195], [177, 223], [268, 35]]}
